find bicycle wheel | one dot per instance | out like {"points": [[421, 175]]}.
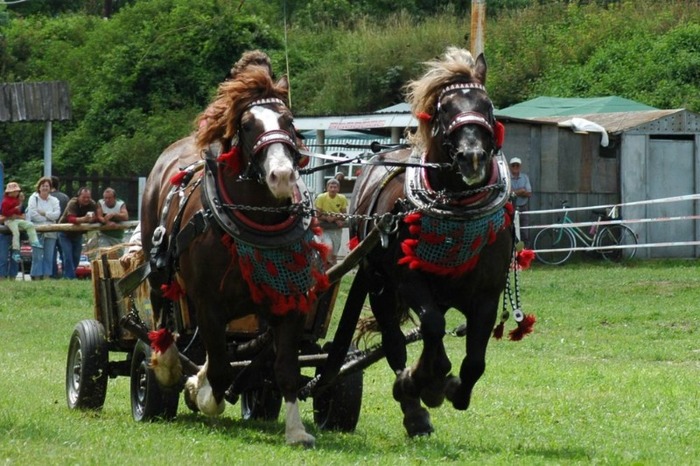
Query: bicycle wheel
{"points": [[616, 235], [557, 238]]}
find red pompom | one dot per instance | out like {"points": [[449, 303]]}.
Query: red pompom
{"points": [[172, 291], [424, 116], [161, 339], [354, 241], [231, 160], [524, 258], [525, 327], [499, 133]]}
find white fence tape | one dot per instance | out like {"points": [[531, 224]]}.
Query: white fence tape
{"points": [[628, 222]]}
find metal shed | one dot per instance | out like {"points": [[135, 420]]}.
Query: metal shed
{"points": [[651, 154]]}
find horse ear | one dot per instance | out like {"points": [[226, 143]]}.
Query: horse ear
{"points": [[283, 82], [480, 69]]}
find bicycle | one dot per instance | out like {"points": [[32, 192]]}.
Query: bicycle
{"points": [[557, 243]]}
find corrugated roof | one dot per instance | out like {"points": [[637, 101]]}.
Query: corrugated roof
{"points": [[569, 106], [615, 122], [367, 121]]}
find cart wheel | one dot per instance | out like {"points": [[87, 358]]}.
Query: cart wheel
{"points": [[86, 368], [338, 406], [148, 400], [262, 403]]}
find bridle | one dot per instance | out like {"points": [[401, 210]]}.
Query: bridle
{"points": [[463, 119], [266, 139], [469, 204]]}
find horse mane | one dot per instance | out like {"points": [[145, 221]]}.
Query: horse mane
{"points": [[455, 66], [254, 57], [251, 79]]}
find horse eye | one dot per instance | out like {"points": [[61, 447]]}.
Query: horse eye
{"points": [[247, 123]]}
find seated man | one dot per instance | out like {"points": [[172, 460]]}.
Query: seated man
{"points": [[111, 211]]}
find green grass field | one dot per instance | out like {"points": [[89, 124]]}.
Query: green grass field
{"points": [[611, 375]]}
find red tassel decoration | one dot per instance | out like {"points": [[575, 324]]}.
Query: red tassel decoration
{"points": [[424, 116], [161, 339], [499, 133], [231, 160], [525, 327], [176, 179], [498, 331], [524, 258], [354, 241], [172, 291]]}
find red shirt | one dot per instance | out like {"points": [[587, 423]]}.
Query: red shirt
{"points": [[10, 207]]}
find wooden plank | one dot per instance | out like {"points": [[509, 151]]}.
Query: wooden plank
{"points": [[34, 101], [83, 227]]}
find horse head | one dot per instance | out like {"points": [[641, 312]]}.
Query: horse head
{"points": [[251, 120], [267, 144], [457, 124]]}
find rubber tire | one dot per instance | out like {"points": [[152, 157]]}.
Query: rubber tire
{"points": [[338, 407], [87, 366], [548, 238], [262, 404], [148, 400], [613, 235]]}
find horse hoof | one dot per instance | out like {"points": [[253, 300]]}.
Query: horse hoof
{"points": [[303, 440], [417, 423], [455, 393]]}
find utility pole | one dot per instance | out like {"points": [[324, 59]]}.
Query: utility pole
{"points": [[478, 26], [107, 10]]}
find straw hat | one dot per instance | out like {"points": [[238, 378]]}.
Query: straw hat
{"points": [[12, 187]]}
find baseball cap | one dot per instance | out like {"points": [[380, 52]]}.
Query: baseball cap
{"points": [[516, 160]]}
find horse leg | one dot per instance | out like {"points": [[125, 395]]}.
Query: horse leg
{"points": [[480, 323], [429, 374], [416, 419], [286, 337], [207, 388]]}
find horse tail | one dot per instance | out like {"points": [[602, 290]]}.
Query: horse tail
{"points": [[368, 326]]}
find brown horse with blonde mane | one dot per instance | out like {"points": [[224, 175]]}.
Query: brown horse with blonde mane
{"points": [[226, 220]]}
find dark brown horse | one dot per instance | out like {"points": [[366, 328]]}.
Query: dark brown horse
{"points": [[225, 221], [452, 242]]}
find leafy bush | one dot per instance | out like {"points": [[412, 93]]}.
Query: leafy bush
{"points": [[138, 79]]}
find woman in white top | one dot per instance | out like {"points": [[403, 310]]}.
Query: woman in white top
{"points": [[43, 209]]}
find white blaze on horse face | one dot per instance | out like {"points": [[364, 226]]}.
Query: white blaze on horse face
{"points": [[280, 175]]}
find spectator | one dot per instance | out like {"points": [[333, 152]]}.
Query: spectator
{"points": [[329, 203], [522, 190], [11, 209], [81, 209], [111, 211], [8, 267], [62, 203], [43, 209]]}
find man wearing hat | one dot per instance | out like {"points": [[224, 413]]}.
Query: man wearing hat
{"points": [[522, 190], [11, 210]]}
